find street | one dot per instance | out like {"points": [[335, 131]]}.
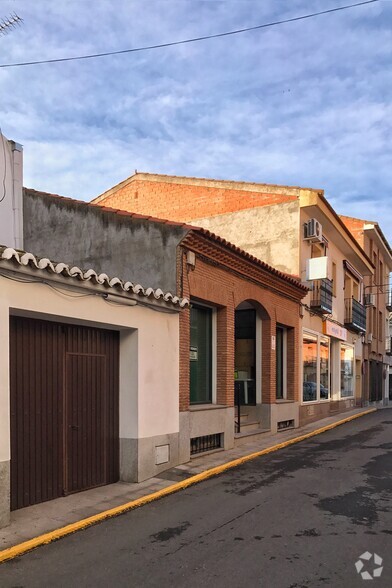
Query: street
{"points": [[300, 517]]}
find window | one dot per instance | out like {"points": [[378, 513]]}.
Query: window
{"points": [[324, 368], [201, 355], [281, 363], [309, 359], [315, 357], [351, 287], [346, 371]]}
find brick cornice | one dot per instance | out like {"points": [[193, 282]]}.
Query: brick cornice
{"points": [[220, 255]]}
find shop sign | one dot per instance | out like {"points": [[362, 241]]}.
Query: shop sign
{"points": [[193, 353], [334, 330]]}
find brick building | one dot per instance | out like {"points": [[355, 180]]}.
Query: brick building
{"points": [[291, 229], [241, 332], [378, 299]]}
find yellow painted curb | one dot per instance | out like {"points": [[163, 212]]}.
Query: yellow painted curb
{"points": [[26, 546]]}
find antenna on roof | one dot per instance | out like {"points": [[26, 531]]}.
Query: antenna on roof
{"points": [[7, 24]]}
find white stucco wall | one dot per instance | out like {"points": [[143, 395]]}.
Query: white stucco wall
{"points": [[149, 355], [11, 198], [270, 233]]}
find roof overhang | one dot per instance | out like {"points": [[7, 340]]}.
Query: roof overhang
{"points": [[316, 205], [374, 232]]}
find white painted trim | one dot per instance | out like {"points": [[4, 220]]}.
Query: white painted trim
{"points": [[318, 400], [284, 360], [354, 370], [259, 358], [214, 352], [214, 362]]}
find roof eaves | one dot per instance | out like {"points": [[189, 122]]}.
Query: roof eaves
{"points": [[293, 280], [26, 259]]}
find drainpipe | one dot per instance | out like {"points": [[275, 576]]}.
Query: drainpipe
{"points": [[17, 193]]}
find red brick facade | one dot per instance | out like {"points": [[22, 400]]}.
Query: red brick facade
{"points": [[180, 201], [224, 279]]}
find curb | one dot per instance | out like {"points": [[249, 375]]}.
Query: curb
{"points": [[21, 548]]}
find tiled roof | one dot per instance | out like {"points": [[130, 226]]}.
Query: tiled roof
{"points": [[23, 258], [292, 279]]}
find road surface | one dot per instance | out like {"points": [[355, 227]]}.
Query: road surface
{"points": [[300, 517]]}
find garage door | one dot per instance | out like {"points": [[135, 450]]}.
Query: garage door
{"points": [[64, 409]]}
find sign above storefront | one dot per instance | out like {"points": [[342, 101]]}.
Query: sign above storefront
{"points": [[316, 268], [334, 330]]}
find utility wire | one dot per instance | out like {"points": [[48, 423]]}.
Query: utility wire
{"points": [[194, 40]]}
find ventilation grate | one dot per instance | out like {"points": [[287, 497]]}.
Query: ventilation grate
{"points": [[206, 443]]}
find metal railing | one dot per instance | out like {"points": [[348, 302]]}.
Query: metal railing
{"points": [[388, 345], [354, 315], [322, 296]]}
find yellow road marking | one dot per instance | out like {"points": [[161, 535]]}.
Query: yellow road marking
{"points": [[26, 546]]}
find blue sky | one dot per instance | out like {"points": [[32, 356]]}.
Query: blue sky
{"points": [[306, 103]]}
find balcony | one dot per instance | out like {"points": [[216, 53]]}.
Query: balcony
{"points": [[321, 296], [354, 315], [388, 345]]}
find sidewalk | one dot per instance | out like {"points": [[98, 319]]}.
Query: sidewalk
{"points": [[32, 521]]}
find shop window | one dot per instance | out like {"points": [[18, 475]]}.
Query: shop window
{"points": [[346, 371], [324, 368], [201, 355], [281, 362], [316, 370]]}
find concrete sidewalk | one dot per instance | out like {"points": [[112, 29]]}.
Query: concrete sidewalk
{"points": [[35, 520]]}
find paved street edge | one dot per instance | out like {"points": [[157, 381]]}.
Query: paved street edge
{"points": [[22, 548]]}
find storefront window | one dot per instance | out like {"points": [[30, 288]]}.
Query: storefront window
{"points": [[315, 355], [324, 368], [309, 357], [346, 371], [201, 355]]}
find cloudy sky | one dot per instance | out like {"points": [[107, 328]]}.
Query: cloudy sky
{"points": [[306, 103]]}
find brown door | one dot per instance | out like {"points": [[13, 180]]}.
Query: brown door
{"points": [[64, 409], [86, 429]]}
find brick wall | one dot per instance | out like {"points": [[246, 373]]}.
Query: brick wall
{"points": [[181, 201], [355, 226], [223, 289]]}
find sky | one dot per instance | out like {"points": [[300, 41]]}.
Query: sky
{"points": [[307, 103]]}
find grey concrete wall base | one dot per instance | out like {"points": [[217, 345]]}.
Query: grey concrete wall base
{"points": [[284, 411], [209, 420], [265, 415], [184, 446], [128, 460], [141, 459], [5, 484]]}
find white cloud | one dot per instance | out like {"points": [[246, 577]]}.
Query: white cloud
{"points": [[306, 103]]}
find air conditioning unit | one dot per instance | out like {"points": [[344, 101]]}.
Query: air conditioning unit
{"points": [[313, 231], [370, 300], [370, 337]]}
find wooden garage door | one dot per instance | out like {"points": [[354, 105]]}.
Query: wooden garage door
{"points": [[64, 409]]}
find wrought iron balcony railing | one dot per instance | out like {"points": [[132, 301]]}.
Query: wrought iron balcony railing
{"points": [[354, 315], [321, 296]]}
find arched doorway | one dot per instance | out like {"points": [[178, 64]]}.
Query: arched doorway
{"points": [[248, 365]]}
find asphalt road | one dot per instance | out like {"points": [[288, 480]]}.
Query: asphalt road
{"points": [[297, 518]]}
